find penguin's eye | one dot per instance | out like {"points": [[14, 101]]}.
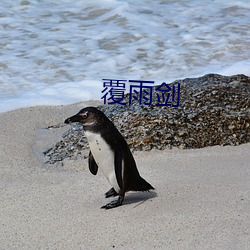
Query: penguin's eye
{"points": [[84, 115]]}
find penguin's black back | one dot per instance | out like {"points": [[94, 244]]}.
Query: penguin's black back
{"points": [[132, 180]]}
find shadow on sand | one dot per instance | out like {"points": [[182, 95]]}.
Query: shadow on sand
{"points": [[138, 198]]}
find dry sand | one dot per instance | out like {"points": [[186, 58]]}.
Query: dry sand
{"points": [[201, 201]]}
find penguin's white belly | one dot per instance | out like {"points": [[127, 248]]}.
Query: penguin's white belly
{"points": [[104, 157]]}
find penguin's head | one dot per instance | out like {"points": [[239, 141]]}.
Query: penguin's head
{"points": [[88, 117]]}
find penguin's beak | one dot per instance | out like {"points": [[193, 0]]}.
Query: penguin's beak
{"points": [[74, 118]]}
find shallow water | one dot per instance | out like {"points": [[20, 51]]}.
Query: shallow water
{"points": [[58, 52]]}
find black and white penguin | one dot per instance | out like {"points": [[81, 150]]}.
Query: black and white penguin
{"points": [[110, 152]]}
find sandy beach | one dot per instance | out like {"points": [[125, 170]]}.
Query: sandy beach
{"points": [[201, 198]]}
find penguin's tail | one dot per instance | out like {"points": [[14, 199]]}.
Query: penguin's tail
{"points": [[141, 185]]}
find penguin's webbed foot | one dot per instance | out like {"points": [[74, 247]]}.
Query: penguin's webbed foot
{"points": [[113, 204], [111, 193]]}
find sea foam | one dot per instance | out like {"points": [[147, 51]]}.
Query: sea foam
{"points": [[56, 53]]}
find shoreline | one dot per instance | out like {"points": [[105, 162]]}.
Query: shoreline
{"points": [[201, 197]]}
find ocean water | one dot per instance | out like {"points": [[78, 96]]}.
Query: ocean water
{"points": [[58, 52]]}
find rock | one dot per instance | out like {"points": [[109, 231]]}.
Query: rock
{"points": [[213, 110]]}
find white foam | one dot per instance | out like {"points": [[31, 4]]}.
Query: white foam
{"points": [[58, 52], [242, 67]]}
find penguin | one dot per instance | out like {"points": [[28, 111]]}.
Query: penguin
{"points": [[110, 152]]}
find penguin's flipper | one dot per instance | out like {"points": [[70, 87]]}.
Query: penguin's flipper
{"points": [[118, 166], [111, 193], [93, 167]]}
